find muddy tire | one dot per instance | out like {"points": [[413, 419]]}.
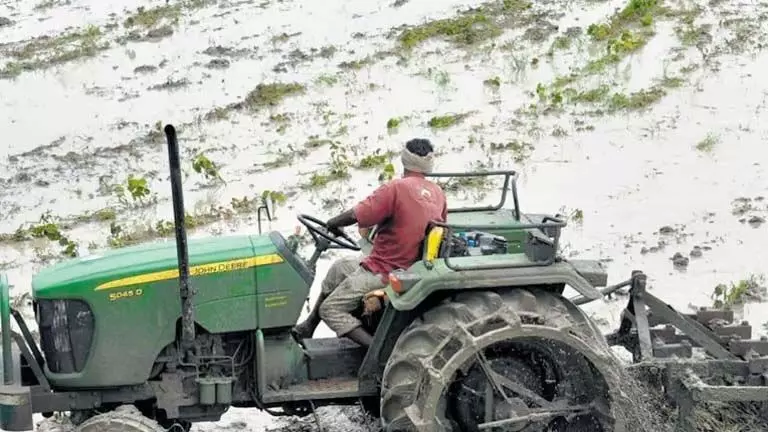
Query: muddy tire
{"points": [[124, 419], [437, 380]]}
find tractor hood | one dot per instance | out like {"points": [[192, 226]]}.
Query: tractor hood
{"points": [[76, 276]]}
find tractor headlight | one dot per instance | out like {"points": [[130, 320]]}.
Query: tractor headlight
{"points": [[66, 333]]}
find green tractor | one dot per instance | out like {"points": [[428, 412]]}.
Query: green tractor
{"points": [[475, 336]]}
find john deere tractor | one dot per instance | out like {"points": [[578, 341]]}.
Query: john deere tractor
{"points": [[476, 335]]}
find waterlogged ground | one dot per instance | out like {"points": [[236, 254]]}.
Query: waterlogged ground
{"points": [[638, 119]]}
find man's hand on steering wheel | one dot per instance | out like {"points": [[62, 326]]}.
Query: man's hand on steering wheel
{"points": [[332, 236], [336, 231]]}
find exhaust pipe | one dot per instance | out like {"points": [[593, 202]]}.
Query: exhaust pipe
{"points": [[187, 294]]}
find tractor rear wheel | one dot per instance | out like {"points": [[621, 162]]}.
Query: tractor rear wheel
{"points": [[511, 360], [125, 418]]}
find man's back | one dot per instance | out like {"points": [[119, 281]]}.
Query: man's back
{"points": [[415, 202], [401, 209]]}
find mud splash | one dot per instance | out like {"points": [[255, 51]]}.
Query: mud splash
{"points": [[741, 417], [644, 409]]}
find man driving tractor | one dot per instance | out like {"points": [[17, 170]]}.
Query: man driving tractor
{"points": [[401, 211]]}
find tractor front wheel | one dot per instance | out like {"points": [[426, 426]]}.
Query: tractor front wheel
{"points": [[511, 360], [125, 418]]}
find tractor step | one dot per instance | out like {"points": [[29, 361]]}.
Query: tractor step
{"points": [[333, 388], [335, 358]]}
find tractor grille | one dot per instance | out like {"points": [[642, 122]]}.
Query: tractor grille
{"points": [[66, 333]]}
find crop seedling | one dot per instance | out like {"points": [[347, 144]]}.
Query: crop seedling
{"points": [[277, 198], [134, 193], [494, 82], [269, 95], [338, 168], [471, 26], [202, 165], [445, 121], [137, 187], [42, 53], [750, 289], [48, 228], [387, 173], [378, 158], [707, 144]]}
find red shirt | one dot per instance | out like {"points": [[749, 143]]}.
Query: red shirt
{"points": [[402, 209]]}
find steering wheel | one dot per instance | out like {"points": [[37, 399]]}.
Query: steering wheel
{"points": [[317, 228]]}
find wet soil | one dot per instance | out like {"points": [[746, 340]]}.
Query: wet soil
{"points": [[639, 119]]}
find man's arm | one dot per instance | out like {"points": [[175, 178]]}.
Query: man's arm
{"points": [[377, 207], [369, 212], [346, 218]]}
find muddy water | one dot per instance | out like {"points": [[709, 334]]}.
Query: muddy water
{"points": [[71, 128]]}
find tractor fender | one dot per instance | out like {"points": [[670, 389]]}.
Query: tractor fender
{"points": [[556, 273]]}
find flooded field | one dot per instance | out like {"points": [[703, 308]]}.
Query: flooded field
{"points": [[640, 119]]}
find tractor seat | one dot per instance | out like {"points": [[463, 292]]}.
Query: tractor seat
{"points": [[376, 300]]}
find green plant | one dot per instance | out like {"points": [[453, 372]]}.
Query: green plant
{"points": [[138, 187], [725, 296], [375, 159], [276, 197], [269, 95], [393, 123], [553, 95], [49, 228], [244, 204], [117, 236], [708, 143], [339, 161], [327, 79], [338, 167], [70, 248], [202, 165], [442, 78], [387, 173], [494, 82], [440, 122]]}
